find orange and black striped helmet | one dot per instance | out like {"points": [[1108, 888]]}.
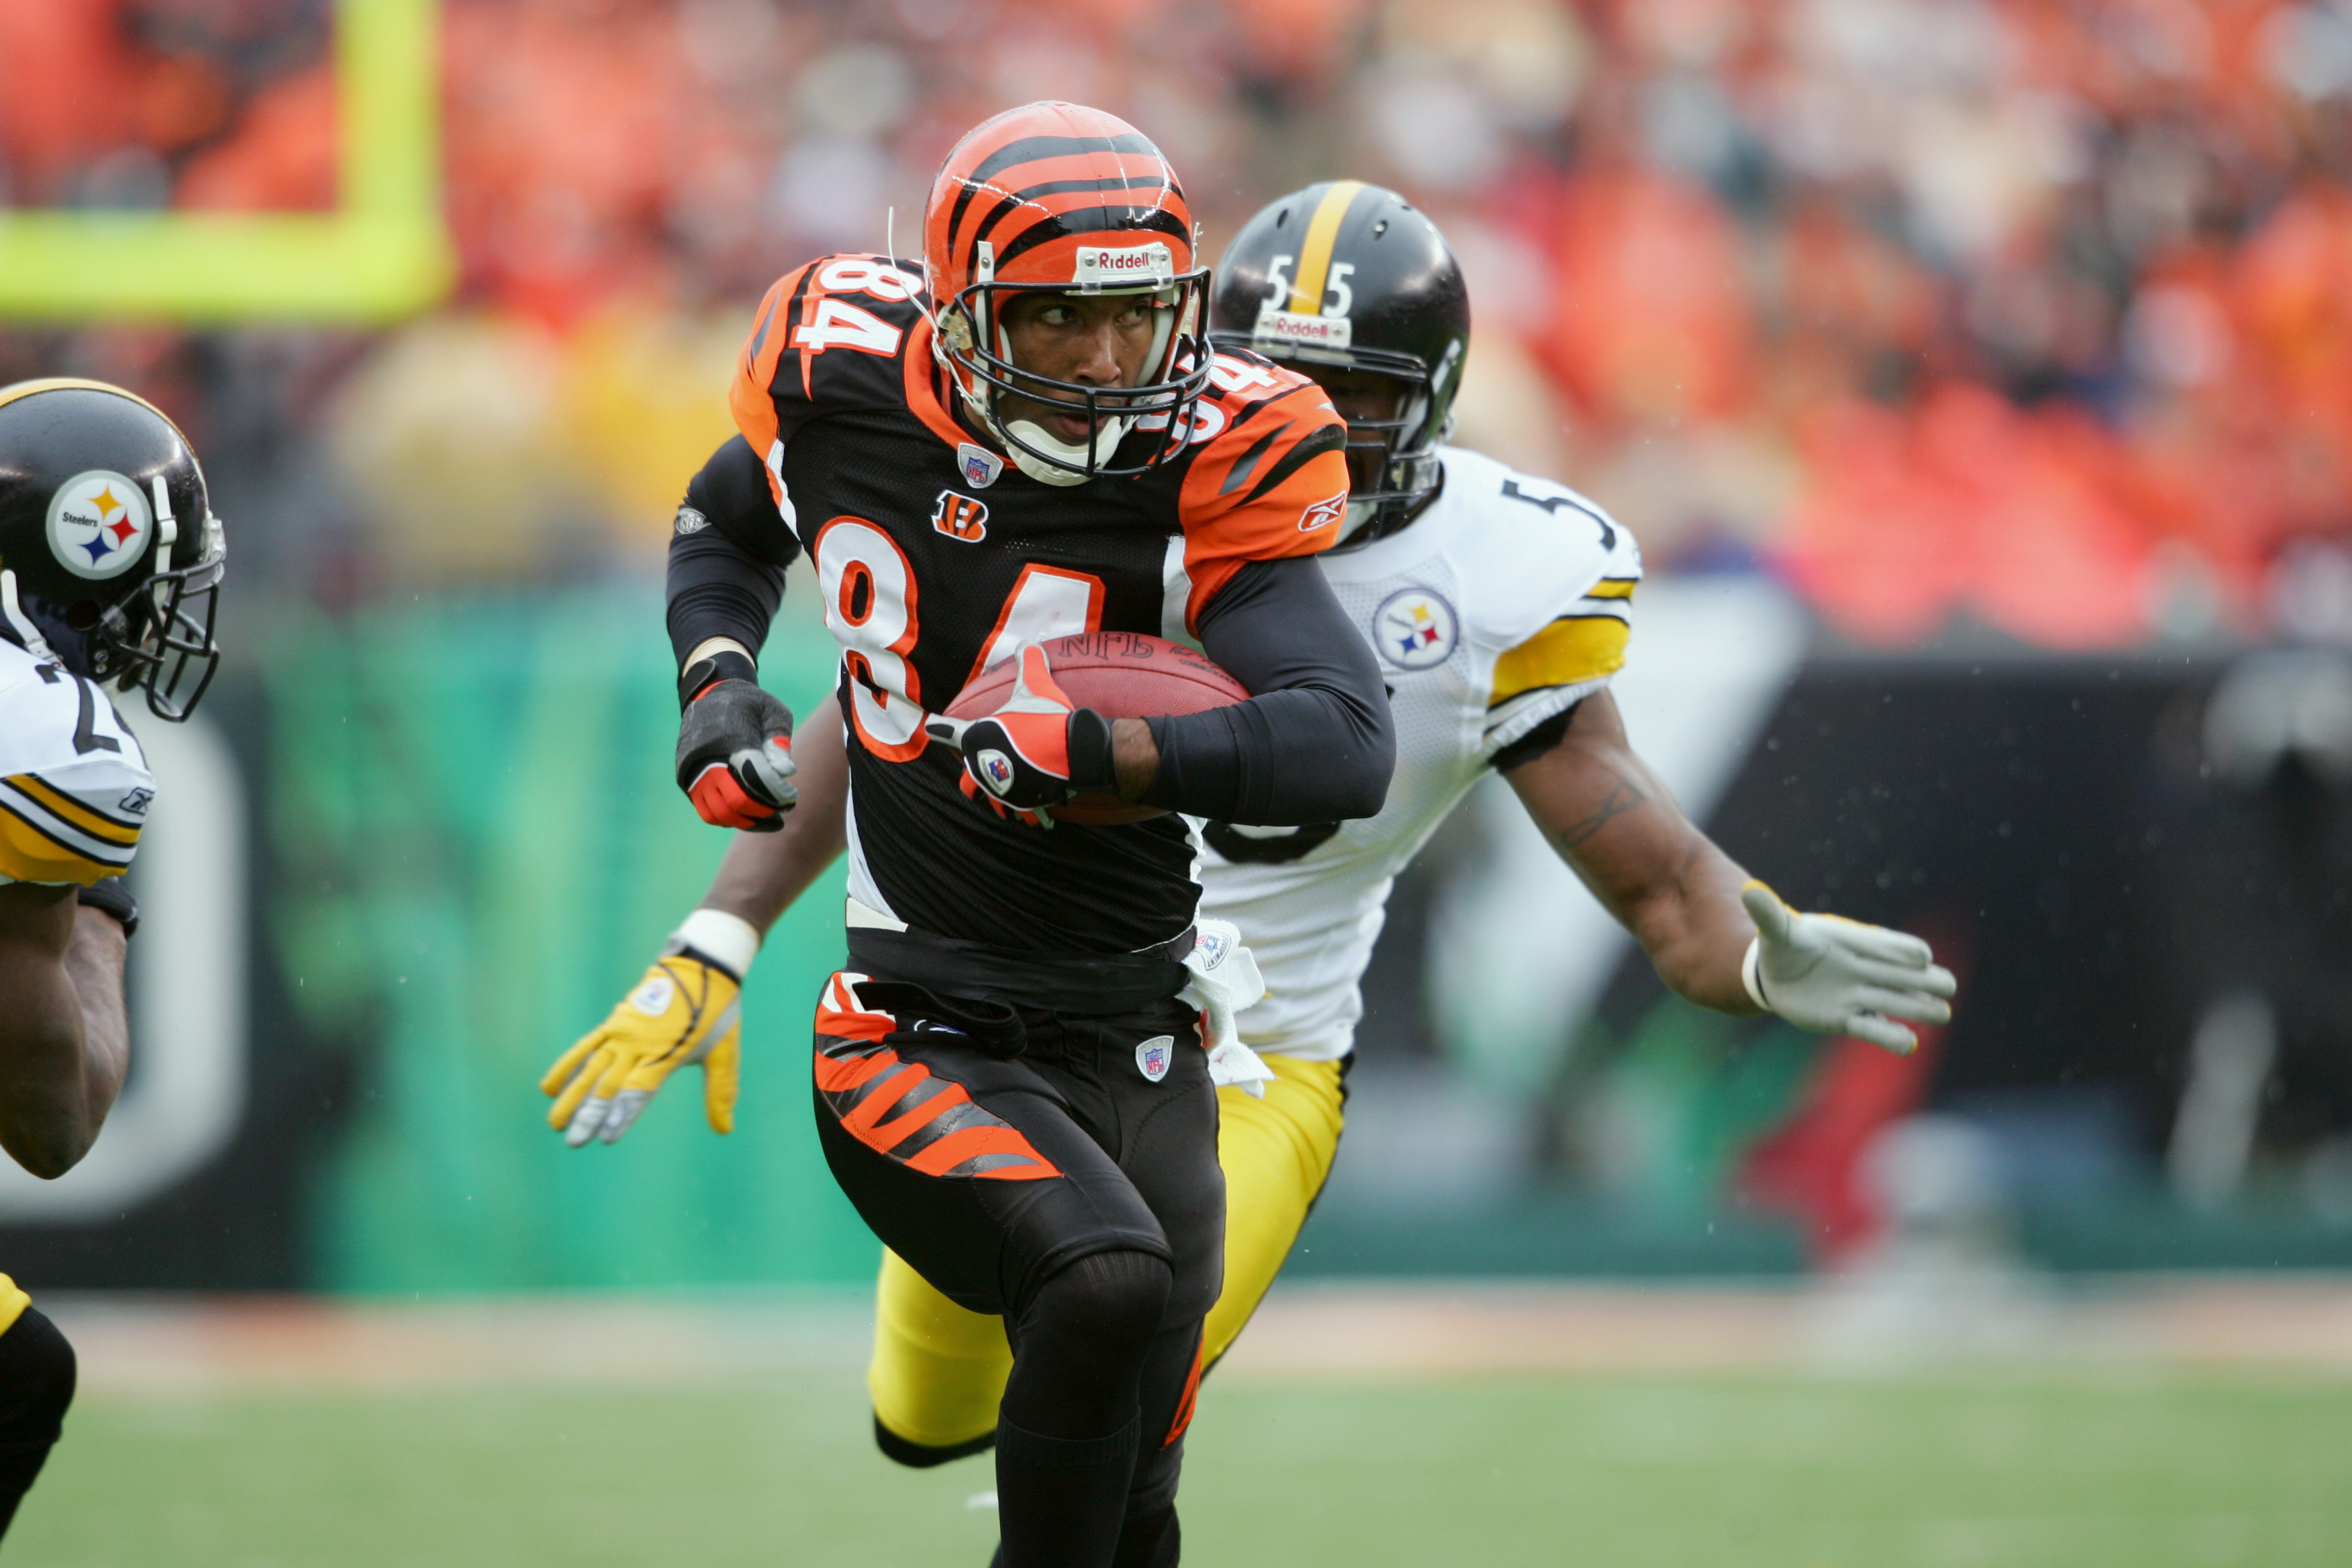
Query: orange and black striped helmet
{"points": [[1060, 197]]}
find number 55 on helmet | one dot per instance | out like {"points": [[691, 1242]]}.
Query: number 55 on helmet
{"points": [[109, 554]]}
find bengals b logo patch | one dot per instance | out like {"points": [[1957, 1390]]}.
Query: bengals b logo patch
{"points": [[961, 517]]}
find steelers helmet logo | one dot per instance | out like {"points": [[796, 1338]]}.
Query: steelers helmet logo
{"points": [[100, 524], [1414, 629]]}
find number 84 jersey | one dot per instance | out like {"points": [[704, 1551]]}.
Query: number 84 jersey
{"points": [[1504, 604], [936, 558]]}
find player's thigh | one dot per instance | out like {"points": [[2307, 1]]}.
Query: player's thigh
{"points": [[1167, 1140], [969, 1166], [938, 1370], [1276, 1153]]}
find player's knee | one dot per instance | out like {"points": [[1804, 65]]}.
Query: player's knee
{"points": [[36, 1382], [1112, 1298], [924, 1455]]}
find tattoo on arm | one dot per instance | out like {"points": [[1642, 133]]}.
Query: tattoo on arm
{"points": [[1623, 797]]}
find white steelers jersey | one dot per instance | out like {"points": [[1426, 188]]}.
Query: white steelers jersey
{"points": [[74, 785], [1505, 602]]}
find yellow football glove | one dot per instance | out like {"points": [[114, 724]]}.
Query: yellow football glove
{"points": [[684, 1011]]}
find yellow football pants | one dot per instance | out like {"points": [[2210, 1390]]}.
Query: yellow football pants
{"points": [[938, 1370]]}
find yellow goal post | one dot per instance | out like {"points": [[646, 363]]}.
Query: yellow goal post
{"points": [[384, 252]]}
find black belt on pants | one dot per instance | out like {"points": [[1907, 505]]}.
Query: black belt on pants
{"points": [[1058, 981]]}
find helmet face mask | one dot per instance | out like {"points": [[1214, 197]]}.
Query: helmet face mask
{"points": [[1344, 280], [133, 602], [1173, 375], [159, 637], [1056, 198]]}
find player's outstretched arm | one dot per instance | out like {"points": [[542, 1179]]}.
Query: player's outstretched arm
{"points": [[1716, 936], [685, 1009], [63, 1038]]}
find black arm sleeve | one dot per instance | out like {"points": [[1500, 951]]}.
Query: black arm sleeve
{"points": [[728, 555], [1315, 741]]}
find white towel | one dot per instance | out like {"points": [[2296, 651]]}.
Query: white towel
{"points": [[1224, 981]]}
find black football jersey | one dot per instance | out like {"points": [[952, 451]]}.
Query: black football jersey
{"points": [[935, 558]]}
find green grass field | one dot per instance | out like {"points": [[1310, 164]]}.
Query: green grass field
{"points": [[1613, 1472]]}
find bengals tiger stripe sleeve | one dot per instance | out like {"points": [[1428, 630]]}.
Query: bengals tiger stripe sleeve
{"points": [[1270, 483]]}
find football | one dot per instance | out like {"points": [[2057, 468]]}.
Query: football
{"points": [[1120, 675]]}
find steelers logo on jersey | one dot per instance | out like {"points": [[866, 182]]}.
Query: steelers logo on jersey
{"points": [[1415, 629], [100, 524]]}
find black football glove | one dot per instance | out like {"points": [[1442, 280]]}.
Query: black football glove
{"points": [[735, 747]]}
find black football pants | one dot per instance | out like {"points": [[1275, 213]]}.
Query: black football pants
{"points": [[1060, 1170], [36, 1383]]}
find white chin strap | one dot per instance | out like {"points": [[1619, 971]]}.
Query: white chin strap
{"points": [[1108, 433], [22, 624]]}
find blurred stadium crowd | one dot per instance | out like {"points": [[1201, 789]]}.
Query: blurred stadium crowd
{"points": [[2033, 313]]}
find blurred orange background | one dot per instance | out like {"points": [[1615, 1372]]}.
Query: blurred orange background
{"points": [[2034, 314]]}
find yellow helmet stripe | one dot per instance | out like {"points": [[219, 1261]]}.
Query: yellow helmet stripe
{"points": [[1315, 254]]}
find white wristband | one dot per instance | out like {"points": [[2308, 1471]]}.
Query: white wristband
{"points": [[733, 940], [1750, 976]]}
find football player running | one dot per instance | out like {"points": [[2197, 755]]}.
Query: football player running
{"points": [[100, 497], [1499, 605], [1027, 437]]}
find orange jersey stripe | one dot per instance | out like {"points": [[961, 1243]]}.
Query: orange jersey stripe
{"points": [[922, 388], [864, 1082], [969, 1143], [1272, 483], [749, 396]]}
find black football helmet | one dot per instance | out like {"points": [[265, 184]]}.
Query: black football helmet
{"points": [[1351, 275], [111, 557]]}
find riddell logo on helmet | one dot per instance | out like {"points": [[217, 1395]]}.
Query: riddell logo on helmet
{"points": [[1100, 264], [1304, 331]]}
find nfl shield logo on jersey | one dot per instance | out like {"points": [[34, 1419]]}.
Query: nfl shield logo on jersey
{"points": [[980, 465], [1153, 1056]]}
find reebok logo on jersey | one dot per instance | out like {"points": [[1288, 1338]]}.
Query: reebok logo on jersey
{"points": [[689, 520], [1155, 1055], [961, 517], [136, 803], [1323, 513], [99, 524]]}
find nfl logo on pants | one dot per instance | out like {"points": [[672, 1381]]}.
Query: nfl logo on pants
{"points": [[1152, 1057]]}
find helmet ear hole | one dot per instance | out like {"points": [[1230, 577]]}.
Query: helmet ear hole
{"points": [[83, 613]]}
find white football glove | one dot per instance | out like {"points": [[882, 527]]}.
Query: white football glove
{"points": [[1837, 976]]}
